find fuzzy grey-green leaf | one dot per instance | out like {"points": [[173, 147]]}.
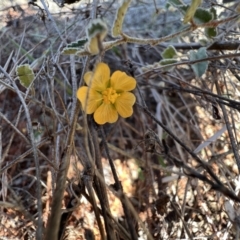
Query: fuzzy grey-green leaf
{"points": [[169, 52], [201, 67]]}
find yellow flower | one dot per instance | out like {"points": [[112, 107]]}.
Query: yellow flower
{"points": [[107, 96]]}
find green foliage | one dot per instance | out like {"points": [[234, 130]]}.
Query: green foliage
{"points": [[69, 51], [166, 62], [168, 55], [74, 47], [197, 14], [169, 52], [97, 28], [201, 67], [78, 44], [96, 32], [25, 75], [214, 12], [211, 32], [202, 16]]}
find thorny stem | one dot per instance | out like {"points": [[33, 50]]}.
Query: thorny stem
{"points": [[155, 41], [231, 55]]}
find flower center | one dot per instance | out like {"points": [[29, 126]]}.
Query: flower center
{"points": [[110, 95]]}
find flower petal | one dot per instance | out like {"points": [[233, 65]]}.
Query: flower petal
{"points": [[105, 113], [120, 81], [124, 104], [94, 99], [100, 78], [87, 77]]}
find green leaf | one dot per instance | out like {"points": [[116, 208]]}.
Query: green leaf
{"points": [[166, 62], [74, 47], [77, 44], [202, 16], [97, 27], [169, 52], [25, 75], [210, 32], [191, 10], [201, 67], [69, 51], [214, 12], [96, 32]]}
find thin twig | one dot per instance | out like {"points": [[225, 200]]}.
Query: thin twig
{"points": [[35, 155], [52, 20], [100, 187], [55, 216], [229, 128], [119, 188], [203, 163]]}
